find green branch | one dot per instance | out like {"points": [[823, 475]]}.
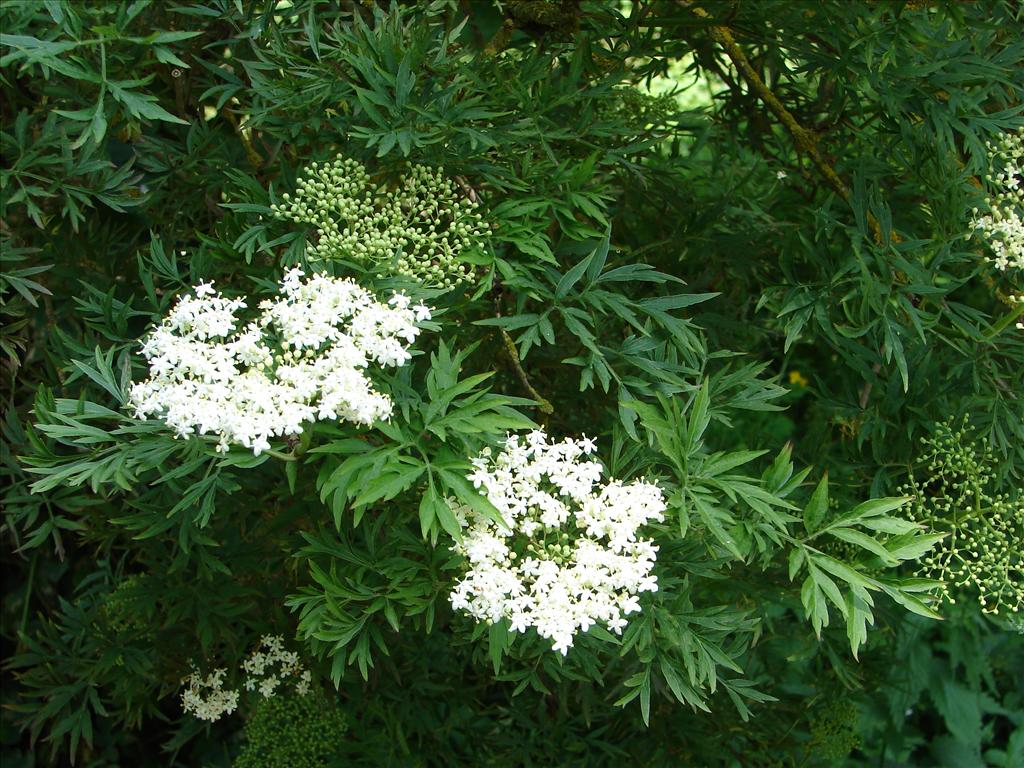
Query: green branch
{"points": [[513, 354]]}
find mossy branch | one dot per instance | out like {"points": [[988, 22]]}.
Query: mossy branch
{"points": [[543, 403], [501, 38], [254, 157]]}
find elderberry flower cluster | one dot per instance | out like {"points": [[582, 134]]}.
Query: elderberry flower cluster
{"points": [[270, 665], [206, 698], [305, 358], [421, 229], [268, 668], [568, 554], [981, 551], [1003, 224]]}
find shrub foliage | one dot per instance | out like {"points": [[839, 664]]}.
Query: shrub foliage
{"points": [[744, 250]]}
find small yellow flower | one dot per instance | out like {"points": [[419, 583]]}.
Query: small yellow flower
{"points": [[797, 378]]}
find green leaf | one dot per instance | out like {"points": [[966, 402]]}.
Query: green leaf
{"points": [[829, 588], [698, 417], [570, 278], [870, 509], [797, 558], [143, 105], [814, 512], [681, 689], [851, 576], [813, 600], [718, 463], [677, 301], [913, 546], [902, 596], [468, 495], [98, 124], [498, 641], [865, 542], [170, 37], [960, 708], [291, 471], [447, 519], [645, 697], [428, 507], [717, 521], [102, 374], [600, 256], [858, 616], [388, 484]]}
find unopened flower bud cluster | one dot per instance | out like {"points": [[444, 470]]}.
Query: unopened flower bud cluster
{"points": [[1003, 224], [420, 229], [639, 110], [981, 552], [267, 669], [570, 555], [305, 358]]}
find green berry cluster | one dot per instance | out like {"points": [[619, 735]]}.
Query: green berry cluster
{"points": [[292, 731], [834, 730], [421, 228], [982, 549], [125, 608], [638, 109]]}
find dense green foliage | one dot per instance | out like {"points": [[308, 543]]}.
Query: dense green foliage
{"points": [[730, 241]]}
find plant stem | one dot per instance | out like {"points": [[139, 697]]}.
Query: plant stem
{"points": [[510, 348], [282, 456], [28, 594], [1005, 321], [255, 159]]}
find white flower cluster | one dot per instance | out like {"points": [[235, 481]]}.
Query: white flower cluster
{"points": [[266, 669], [1003, 225], [570, 555], [206, 698], [305, 358], [270, 665]]}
